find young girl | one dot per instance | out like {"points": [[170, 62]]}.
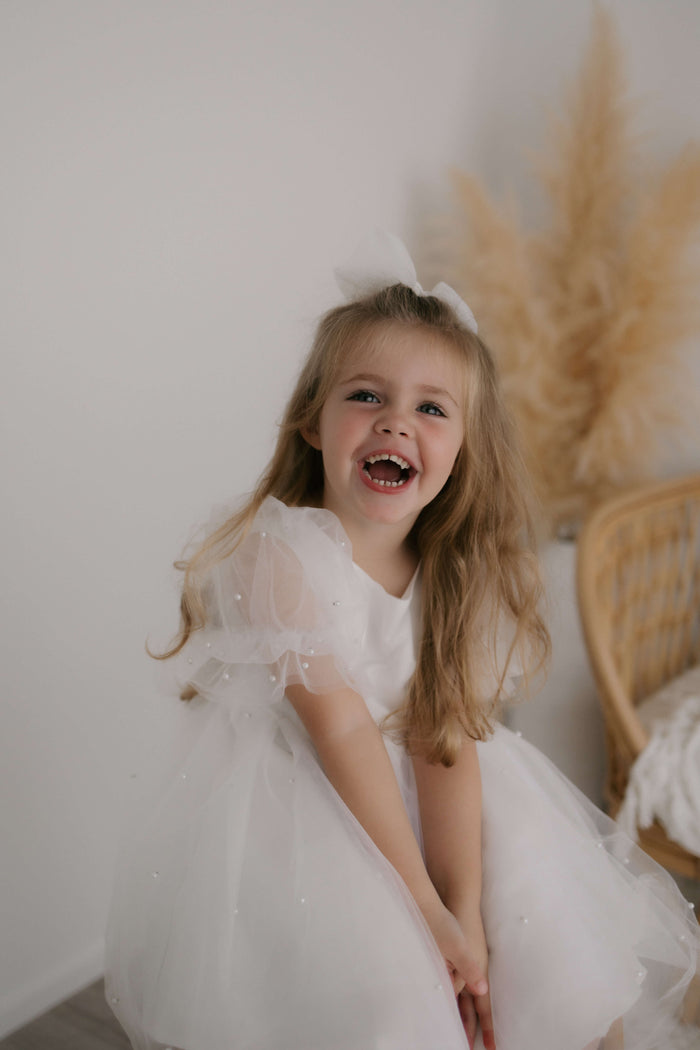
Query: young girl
{"points": [[351, 856]]}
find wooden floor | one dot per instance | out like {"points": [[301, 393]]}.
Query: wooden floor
{"points": [[84, 1022]]}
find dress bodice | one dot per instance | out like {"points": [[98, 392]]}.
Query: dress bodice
{"points": [[390, 642]]}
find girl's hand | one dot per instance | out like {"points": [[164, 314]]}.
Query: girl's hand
{"points": [[463, 946], [475, 1010]]}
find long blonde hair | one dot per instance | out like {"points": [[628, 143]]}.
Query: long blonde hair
{"points": [[474, 540]]}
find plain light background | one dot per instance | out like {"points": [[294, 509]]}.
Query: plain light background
{"points": [[178, 180]]}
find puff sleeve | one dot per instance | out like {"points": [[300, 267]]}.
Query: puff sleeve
{"points": [[282, 609]]}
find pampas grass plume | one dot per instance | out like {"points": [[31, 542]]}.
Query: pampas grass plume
{"points": [[588, 316]]}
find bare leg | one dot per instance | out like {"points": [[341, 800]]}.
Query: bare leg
{"points": [[615, 1039], [691, 1004]]}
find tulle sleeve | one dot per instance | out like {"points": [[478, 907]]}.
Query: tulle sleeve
{"points": [[282, 609]]}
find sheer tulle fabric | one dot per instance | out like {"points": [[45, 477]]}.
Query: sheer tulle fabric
{"points": [[252, 912]]}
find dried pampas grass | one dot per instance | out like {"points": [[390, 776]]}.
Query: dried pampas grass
{"points": [[587, 318]]}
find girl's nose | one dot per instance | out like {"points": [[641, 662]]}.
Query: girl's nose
{"points": [[393, 422]]}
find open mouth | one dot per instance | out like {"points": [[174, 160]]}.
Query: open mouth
{"points": [[388, 469]]}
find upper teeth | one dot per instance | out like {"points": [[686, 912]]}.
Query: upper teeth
{"points": [[394, 459]]}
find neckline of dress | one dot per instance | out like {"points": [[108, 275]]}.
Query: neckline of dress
{"points": [[407, 594]]}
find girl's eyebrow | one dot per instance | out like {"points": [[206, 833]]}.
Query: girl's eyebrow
{"points": [[370, 377]]}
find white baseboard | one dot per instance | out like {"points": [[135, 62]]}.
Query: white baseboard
{"points": [[50, 988]]}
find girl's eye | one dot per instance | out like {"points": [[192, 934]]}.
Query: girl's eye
{"points": [[363, 395], [431, 409]]}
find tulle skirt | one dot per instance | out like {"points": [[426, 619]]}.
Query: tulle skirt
{"points": [[252, 912]]}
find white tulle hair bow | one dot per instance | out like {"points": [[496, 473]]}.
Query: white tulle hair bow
{"points": [[382, 260]]}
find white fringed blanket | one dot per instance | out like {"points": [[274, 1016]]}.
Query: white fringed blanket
{"points": [[664, 782]]}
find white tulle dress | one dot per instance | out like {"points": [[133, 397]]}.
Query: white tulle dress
{"points": [[252, 911]]}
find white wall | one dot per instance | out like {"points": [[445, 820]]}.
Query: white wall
{"points": [[178, 180]]}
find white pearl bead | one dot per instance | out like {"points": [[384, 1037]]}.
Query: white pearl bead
{"points": [[207, 645], [336, 604], [302, 900], [238, 597], [273, 677], [524, 920], [226, 676], [114, 1000], [438, 987], [640, 975], [189, 660], [305, 666], [311, 652], [599, 844], [155, 874], [518, 732], [263, 534]]}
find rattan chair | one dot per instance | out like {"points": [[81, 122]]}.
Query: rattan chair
{"points": [[638, 584]]}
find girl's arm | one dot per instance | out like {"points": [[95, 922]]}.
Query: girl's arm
{"points": [[355, 760], [450, 810]]}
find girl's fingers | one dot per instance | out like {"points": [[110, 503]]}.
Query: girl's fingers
{"points": [[467, 1012], [457, 980], [483, 1009], [474, 979]]}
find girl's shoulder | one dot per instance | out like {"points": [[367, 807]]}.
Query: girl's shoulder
{"points": [[287, 543], [299, 528], [293, 567], [288, 587]]}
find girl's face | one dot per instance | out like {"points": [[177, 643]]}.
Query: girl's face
{"points": [[391, 428]]}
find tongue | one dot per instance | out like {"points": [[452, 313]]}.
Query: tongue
{"points": [[384, 470]]}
